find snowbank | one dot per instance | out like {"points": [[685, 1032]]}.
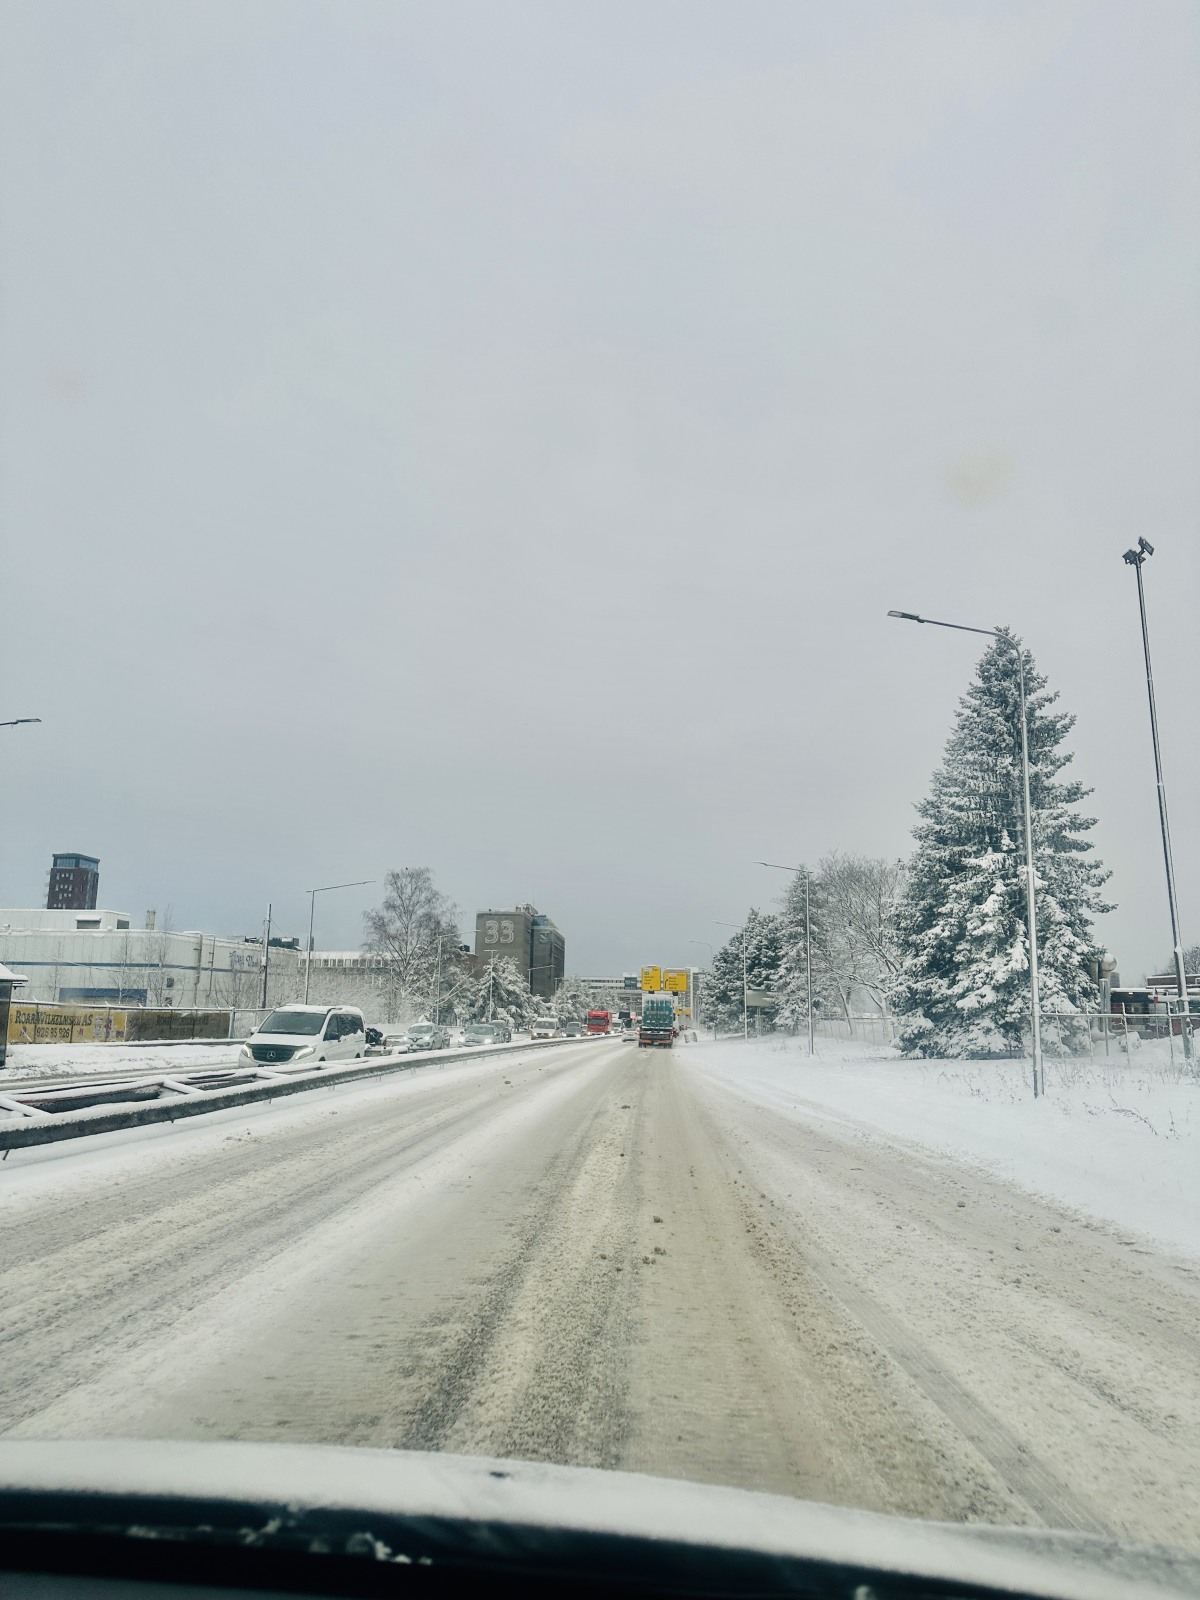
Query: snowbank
{"points": [[61, 1060], [1117, 1139]]}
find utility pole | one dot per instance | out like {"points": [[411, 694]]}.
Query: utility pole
{"points": [[709, 948], [779, 867], [1135, 558]]}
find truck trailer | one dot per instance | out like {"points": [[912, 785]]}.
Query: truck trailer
{"points": [[658, 1021]]}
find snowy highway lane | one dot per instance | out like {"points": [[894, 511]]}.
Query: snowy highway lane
{"points": [[605, 1257]]}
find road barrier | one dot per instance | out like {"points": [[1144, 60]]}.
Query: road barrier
{"points": [[73, 1110]]}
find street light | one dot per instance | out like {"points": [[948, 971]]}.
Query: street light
{"points": [[1134, 558], [312, 904], [745, 992], [807, 942], [1035, 1010], [17, 721]]}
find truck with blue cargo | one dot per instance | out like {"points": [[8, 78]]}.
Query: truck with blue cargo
{"points": [[658, 1021]]}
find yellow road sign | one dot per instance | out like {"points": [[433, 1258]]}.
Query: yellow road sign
{"points": [[676, 981], [651, 979]]}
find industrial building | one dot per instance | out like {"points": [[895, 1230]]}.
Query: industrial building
{"points": [[530, 940], [97, 957]]}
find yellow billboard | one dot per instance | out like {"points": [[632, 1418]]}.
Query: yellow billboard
{"points": [[675, 981], [651, 979], [64, 1024]]}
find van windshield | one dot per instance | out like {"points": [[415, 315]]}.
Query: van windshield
{"points": [[294, 1022]]}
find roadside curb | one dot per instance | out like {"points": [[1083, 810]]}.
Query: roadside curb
{"points": [[107, 1119]]}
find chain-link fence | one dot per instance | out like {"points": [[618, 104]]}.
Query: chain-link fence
{"points": [[1066, 1035]]}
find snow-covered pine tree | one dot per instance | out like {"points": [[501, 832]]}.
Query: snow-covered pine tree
{"points": [[502, 993], [964, 987], [724, 995]]}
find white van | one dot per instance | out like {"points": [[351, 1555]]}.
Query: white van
{"points": [[545, 1028], [304, 1036]]}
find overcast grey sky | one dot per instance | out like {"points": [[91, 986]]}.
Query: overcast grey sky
{"points": [[491, 436]]}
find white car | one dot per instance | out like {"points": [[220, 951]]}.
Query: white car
{"points": [[545, 1028], [305, 1036]]}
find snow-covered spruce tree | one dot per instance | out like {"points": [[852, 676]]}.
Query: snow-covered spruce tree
{"points": [[964, 985], [571, 1001], [724, 997], [503, 994]]}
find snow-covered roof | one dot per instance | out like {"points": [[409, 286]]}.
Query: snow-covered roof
{"points": [[11, 977]]}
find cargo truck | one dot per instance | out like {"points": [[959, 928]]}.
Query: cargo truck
{"points": [[658, 1021], [599, 1021]]}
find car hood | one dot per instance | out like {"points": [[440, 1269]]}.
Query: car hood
{"points": [[522, 1520]]}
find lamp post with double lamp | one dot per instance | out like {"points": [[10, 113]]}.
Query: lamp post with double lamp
{"points": [[745, 988], [1135, 558], [1035, 1010], [807, 943], [312, 902]]}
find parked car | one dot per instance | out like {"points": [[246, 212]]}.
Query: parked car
{"points": [[305, 1036], [428, 1036], [545, 1028], [487, 1033]]}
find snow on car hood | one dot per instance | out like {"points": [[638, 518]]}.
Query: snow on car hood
{"points": [[457, 1490]]}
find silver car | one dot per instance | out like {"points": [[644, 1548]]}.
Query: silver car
{"points": [[428, 1036]]}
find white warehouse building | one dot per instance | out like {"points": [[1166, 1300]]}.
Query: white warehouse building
{"points": [[99, 958]]}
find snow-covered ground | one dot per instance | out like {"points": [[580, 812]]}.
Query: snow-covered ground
{"points": [[62, 1060], [81, 1060], [1117, 1139]]}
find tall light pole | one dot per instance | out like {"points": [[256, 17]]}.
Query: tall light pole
{"points": [[312, 903], [1035, 1009], [266, 953], [709, 948], [1135, 559], [17, 721], [807, 942], [745, 990]]}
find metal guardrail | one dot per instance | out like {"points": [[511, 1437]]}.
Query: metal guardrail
{"points": [[73, 1110]]}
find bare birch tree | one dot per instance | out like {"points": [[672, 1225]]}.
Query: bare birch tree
{"points": [[415, 930]]}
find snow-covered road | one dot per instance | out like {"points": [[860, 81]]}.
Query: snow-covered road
{"points": [[607, 1257]]}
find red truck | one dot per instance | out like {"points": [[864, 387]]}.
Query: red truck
{"points": [[599, 1021]]}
